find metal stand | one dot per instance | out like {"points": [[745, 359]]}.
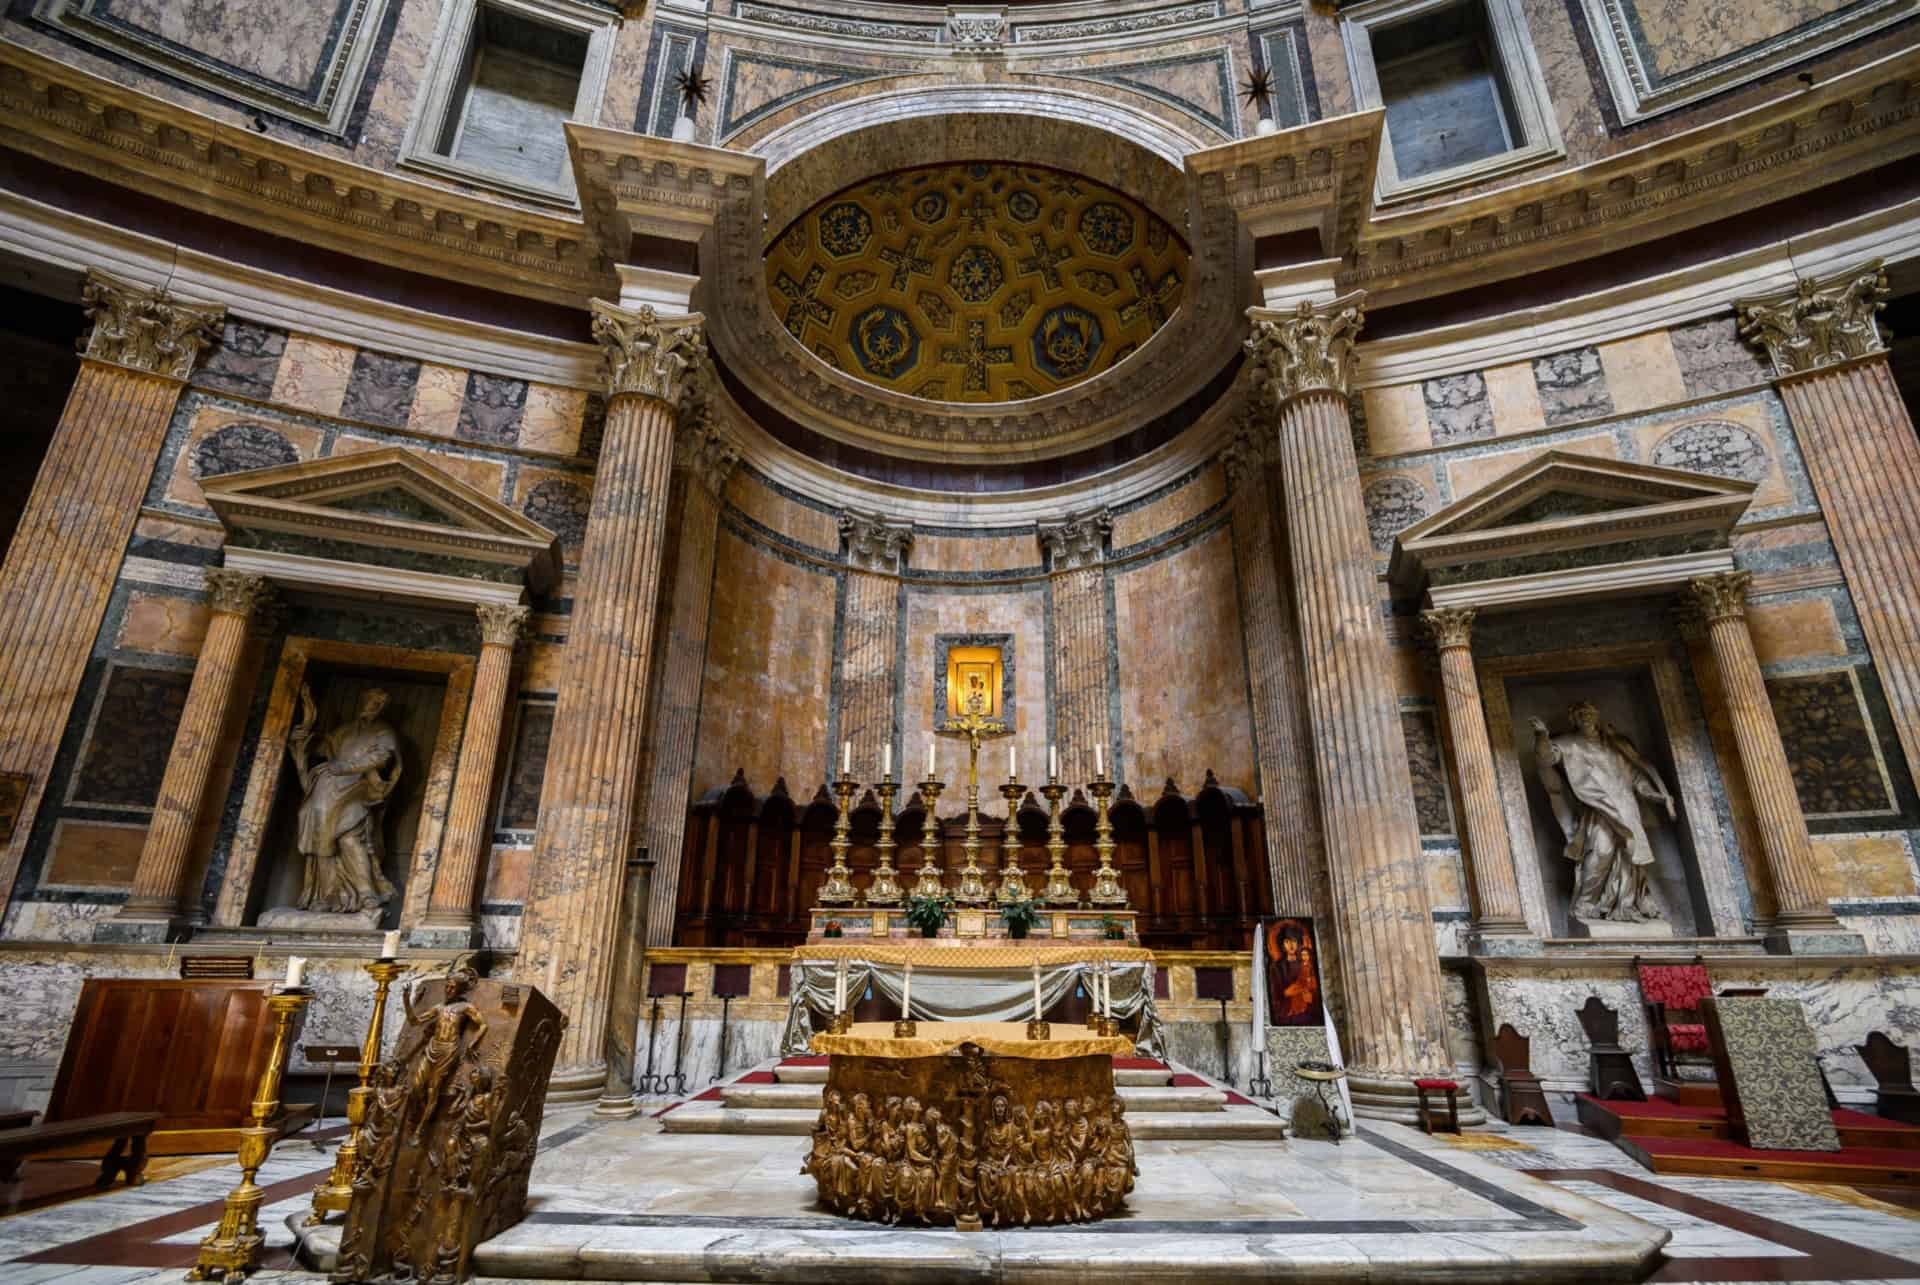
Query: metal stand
{"points": [[647, 1081], [1226, 1044], [726, 1002], [1260, 1085], [329, 1056], [679, 1043]]}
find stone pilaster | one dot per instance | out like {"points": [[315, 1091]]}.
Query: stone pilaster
{"points": [[1389, 967], [1803, 922], [1272, 636], [876, 554], [1081, 646], [1499, 923], [450, 921], [567, 936], [1830, 363], [703, 461], [59, 572], [158, 902]]}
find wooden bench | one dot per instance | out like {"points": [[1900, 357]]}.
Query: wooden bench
{"points": [[128, 1131]]}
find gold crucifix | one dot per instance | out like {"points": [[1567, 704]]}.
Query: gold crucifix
{"points": [[974, 725]]}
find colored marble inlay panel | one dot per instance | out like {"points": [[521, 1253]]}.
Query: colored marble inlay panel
{"points": [[1394, 502], [94, 854], [560, 502], [975, 553], [801, 523], [1713, 358], [1733, 441], [1396, 419], [380, 389], [1794, 630], [438, 395], [288, 46], [484, 476], [124, 757], [1873, 865], [1765, 1053], [936, 618], [1458, 408], [493, 409], [553, 419], [314, 374], [1182, 657], [1515, 399], [1469, 475], [1428, 767], [245, 361], [1830, 744], [1572, 386], [526, 768], [1642, 372], [162, 623], [1677, 36], [1167, 513]]}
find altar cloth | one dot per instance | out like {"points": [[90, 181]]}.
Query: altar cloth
{"points": [[1002, 1039], [948, 952]]}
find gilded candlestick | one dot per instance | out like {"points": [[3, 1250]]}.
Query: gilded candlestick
{"points": [[337, 1192], [1106, 880], [884, 890], [1013, 882], [838, 889], [232, 1250], [932, 881], [1059, 879]]}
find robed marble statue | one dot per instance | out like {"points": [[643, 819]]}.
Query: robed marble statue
{"points": [[347, 778], [1595, 780]]}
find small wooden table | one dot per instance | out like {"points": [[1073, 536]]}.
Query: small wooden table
{"points": [[969, 1123], [127, 1130]]}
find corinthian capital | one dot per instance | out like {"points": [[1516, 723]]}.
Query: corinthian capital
{"points": [[1310, 347], [501, 624], [1820, 321], [146, 329], [700, 445], [647, 354], [1721, 596], [1248, 452], [1449, 626], [873, 543], [1079, 541], [236, 592]]}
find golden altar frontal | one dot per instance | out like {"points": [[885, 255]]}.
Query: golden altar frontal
{"points": [[969, 1124]]}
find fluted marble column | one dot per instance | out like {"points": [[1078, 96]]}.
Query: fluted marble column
{"points": [[1830, 363], [1272, 636], [567, 936], [1499, 924], [703, 461], [60, 569], [158, 900], [1389, 965], [1081, 648], [1803, 922], [876, 554], [450, 921]]}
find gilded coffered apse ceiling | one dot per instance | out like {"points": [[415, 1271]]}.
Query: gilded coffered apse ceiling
{"points": [[976, 282]]}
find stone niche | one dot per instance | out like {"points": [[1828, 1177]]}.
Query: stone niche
{"points": [[381, 562]]}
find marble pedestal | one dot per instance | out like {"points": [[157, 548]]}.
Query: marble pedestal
{"points": [[358, 921]]}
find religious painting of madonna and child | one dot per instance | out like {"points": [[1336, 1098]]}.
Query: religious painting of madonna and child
{"points": [[1293, 978]]}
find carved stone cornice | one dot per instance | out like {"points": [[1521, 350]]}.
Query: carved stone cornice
{"points": [[1079, 541], [500, 624], [146, 329], [1721, 596], [977, 31], [1449, 627], [1822, 320], [1307, 348], [1322, 171], [648, 355], [237, 593], [78, 120], [875, 544]]}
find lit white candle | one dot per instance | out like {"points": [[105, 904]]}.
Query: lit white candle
{"points": [[906, 995], [930, 747], [846, 758], [390, 945], [1036, 990], [1106, 990], [1013, 762], [296, 973], [840, 988], [1099, 768], [886, 759], [1053, 763]]}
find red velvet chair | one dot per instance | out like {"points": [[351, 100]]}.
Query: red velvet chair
{"points": [[1673, 994]]}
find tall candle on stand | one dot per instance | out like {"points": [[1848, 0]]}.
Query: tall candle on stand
{"points": [[906, 995], [840, 988], [1099, 768], [930, 747], [390, 945], [297, 974], [886, 760], [846, 758], [1036, 990], [1013, 762], [1053, 763]]}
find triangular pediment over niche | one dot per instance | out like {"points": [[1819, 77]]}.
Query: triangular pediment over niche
{"points": [[384, 505], [1573, 508]]}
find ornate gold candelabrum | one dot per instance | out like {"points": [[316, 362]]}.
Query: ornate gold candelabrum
{"points": [[1059, 879], [232, 1249], [1013, 881], [932, 881], [336, 1193], [884, 889], [973, 886], [838, 889], [1106, 880]]}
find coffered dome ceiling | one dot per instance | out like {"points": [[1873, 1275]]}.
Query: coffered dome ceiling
{"points": [[976, 282]]}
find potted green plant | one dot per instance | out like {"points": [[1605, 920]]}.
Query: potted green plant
{"points": [[1019, 916], [1112, 928], [928, 913], [832, 929]]}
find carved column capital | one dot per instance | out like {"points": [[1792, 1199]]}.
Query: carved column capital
{"points": [[501, 625], [1246, 454], [875, 544], [1079, 541], [700, 445], [1720, 597], [646, 354], [1307, 348], [1449, 627], [146, 329], [1822, 320], [237, 593]]}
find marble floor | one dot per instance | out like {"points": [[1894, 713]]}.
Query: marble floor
{"points": [[628, 1201]]}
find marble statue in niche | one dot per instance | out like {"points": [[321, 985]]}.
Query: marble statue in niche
{"points": [[1596, 782]]}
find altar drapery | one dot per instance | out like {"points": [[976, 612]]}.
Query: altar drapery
{"points": [[972, 991]]}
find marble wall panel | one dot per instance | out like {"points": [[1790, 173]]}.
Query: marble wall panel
{"points": [[314, 374], [1446, 878], [155, 529], [1167, 512], [1183, 673], [380, 389], [802, 523], [438, 395], [492, 410], [1458, 408], [163, 623], [996, 609], [1864, 865], [1830, 744], [1642, 372], [221, 440], [559, 502], [138, 709], [763, 706], [554, 417], [1794, 629], [1736, 440], [93, 854], [1396, 499], [1572, 386], [526, 767], [245, 361], [1515, 399], [1713, 358], [1681, 35], [1432, 799], [1397, 419], [509, 874], [1019, 552]]}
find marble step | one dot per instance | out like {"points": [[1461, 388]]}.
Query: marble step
{"points": [[1129, 1079], [753, 1097], [1233, 1122]]}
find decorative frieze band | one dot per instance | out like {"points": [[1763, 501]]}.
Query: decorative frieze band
{"points": [[146, 329], [646, 354], [1820, 321], [1079, 541], [875, 544], [1307, 348]]}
